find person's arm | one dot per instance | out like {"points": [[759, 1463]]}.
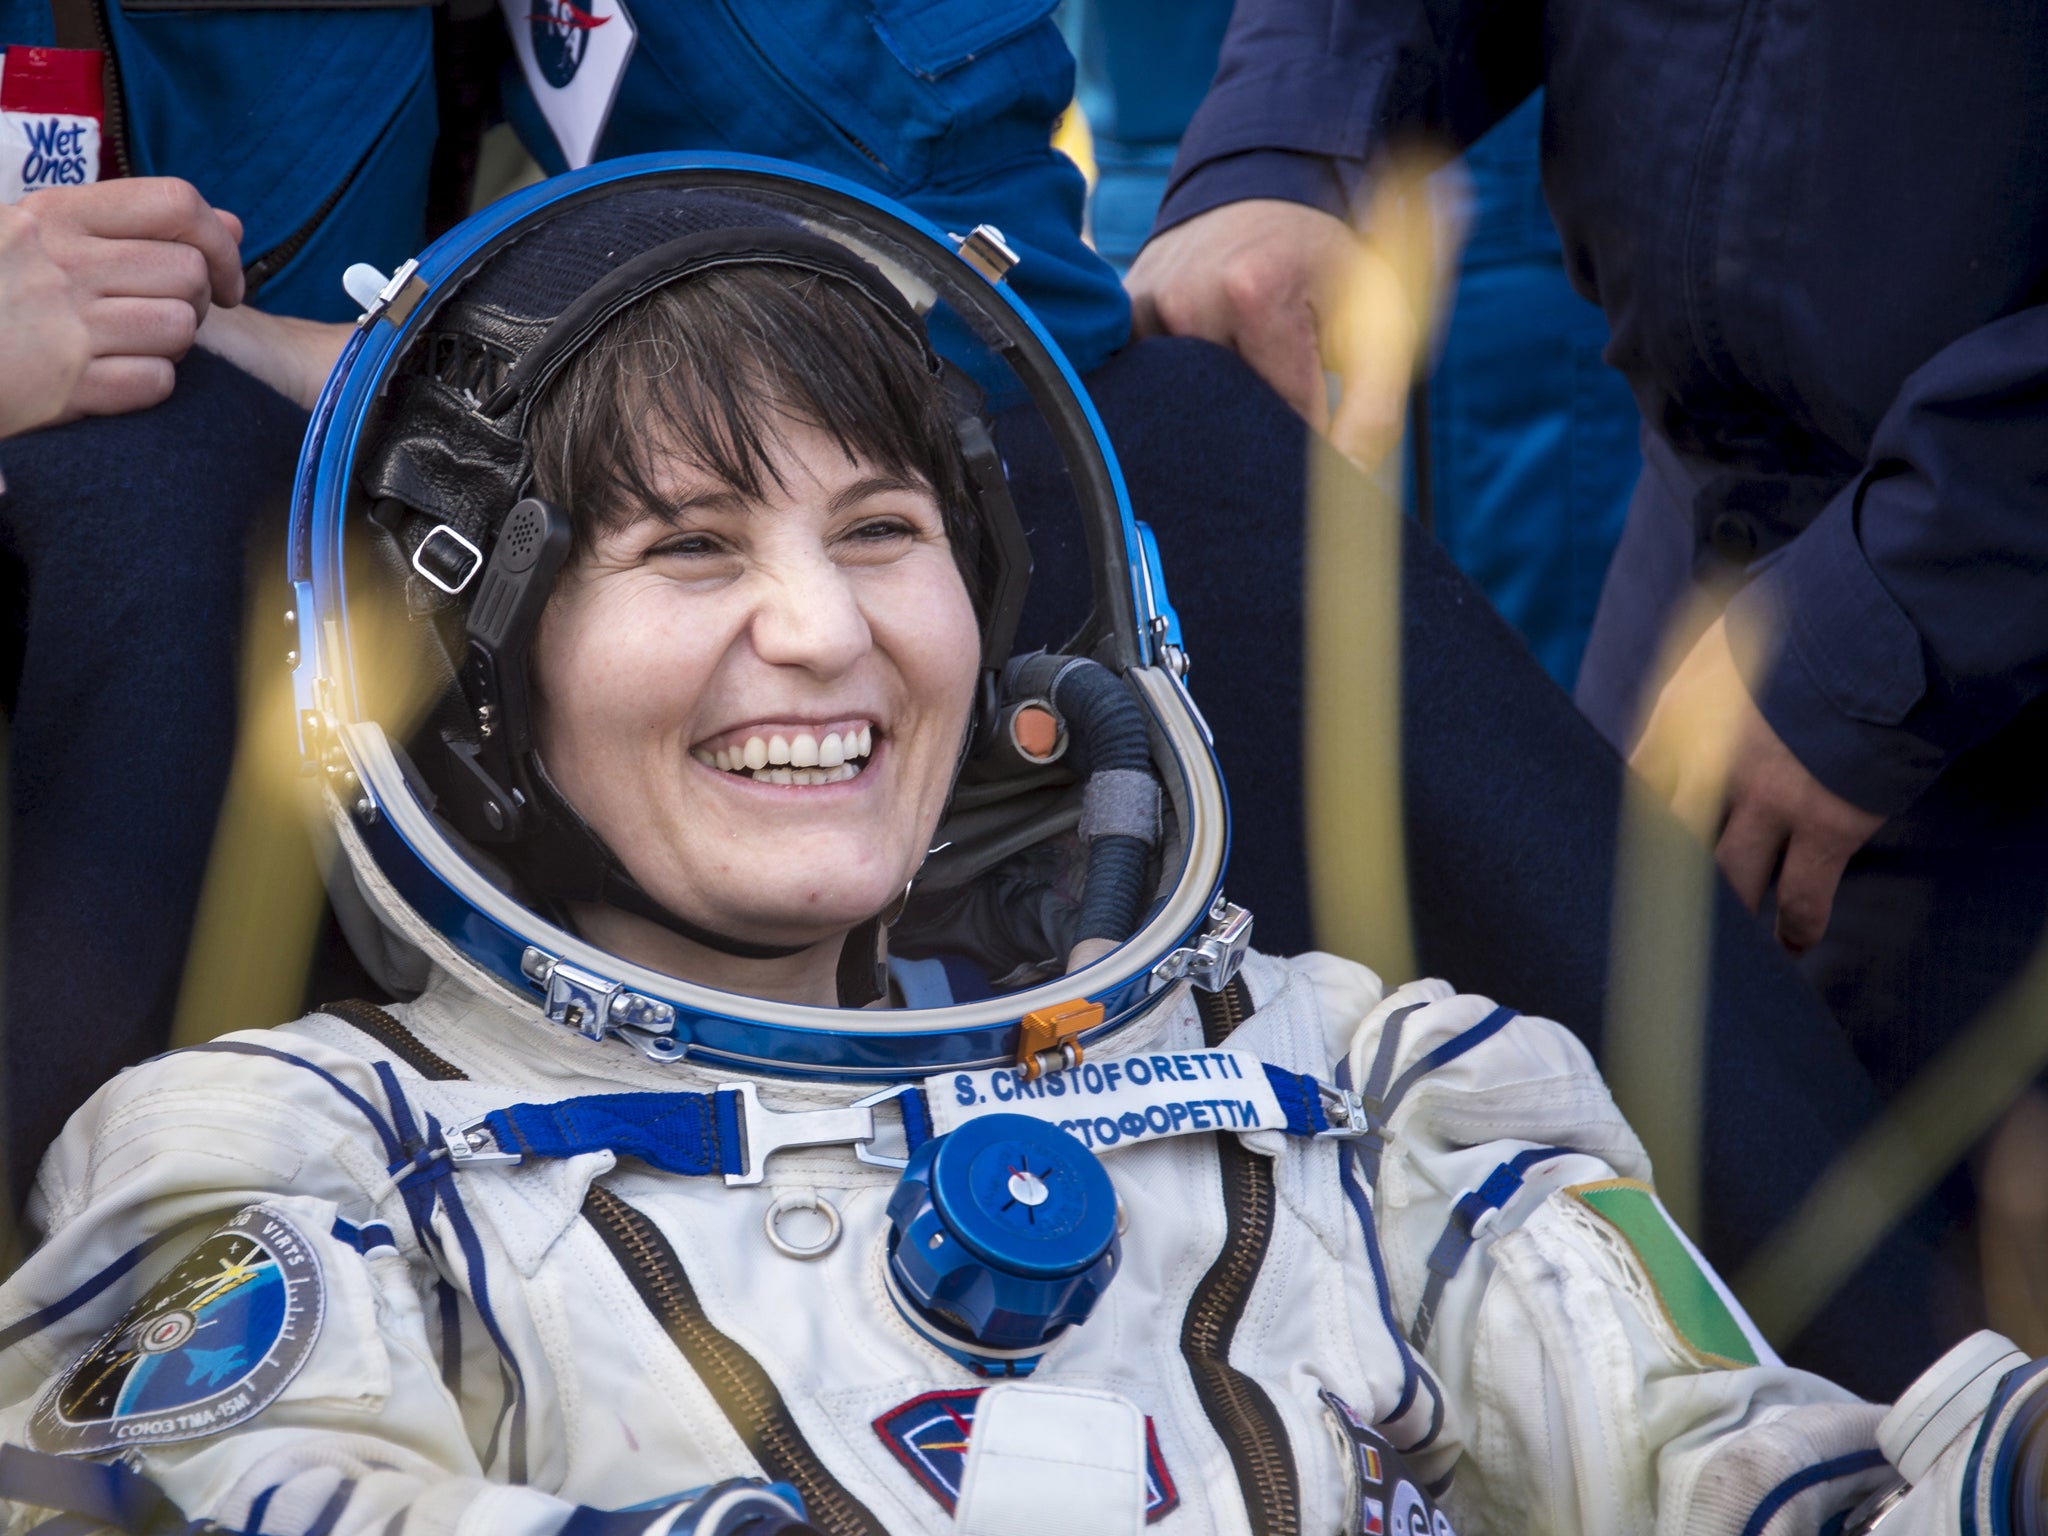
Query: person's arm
{"points": [[292, 356], [240, 1307], [1906, 624], [1252, 247], [1604, 1377], [42, 340]]}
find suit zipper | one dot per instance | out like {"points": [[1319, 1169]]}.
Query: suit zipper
{"points": [[1238, 1408], [743, 1390], [114, 108], [272, 261]]}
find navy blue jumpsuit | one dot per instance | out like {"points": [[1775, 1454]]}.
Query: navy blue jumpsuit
{"points": [[1820, 235]]}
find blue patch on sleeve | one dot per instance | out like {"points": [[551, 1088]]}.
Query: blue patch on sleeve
{"points": [[212, 1344]]}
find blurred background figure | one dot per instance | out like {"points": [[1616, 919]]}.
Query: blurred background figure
{"points": [[1521, 447], [1848, 442]]}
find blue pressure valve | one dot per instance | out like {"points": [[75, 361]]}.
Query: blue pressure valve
{"points": [[1002, 1236]]}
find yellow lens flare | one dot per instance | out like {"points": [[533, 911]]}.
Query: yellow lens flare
{"points": [[1661, 937], [1377, 328], [261, 906], [1929, 1127], [1072, 137], [2012, 1224], [1375, 334]]}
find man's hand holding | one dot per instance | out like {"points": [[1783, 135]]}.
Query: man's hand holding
{"points": [[146, 257], [43, 343], [1710, 752], [1295, 293]]}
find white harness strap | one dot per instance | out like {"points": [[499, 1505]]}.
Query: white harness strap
{"points": [[1044, 1458]]}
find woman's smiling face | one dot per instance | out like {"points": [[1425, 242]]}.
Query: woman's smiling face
{"points": [[758, 702]]}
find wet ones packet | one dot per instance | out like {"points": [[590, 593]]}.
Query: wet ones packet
{"points": [[51, 106]]}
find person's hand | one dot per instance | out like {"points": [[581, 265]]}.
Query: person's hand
{"points": [[43, 343], [146, 257], [1710, 752], [1294, 292], [292, 356]]}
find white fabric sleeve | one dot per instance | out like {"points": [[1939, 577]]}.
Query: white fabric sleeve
{"points": [[364, 1428], [1611, 1383]]}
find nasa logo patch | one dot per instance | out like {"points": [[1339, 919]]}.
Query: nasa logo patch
{"points": [[211, 1344], [929, 1435], [1387, 1498]]}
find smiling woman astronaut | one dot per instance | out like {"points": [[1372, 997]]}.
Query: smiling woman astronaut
{"points": [[837, 1090]]}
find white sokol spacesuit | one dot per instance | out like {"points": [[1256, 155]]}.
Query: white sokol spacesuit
{"points": [[1235, 1243]]}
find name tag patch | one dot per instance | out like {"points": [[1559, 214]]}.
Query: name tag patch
{"points": [[929, 1435], [211, 1344], [1116, 1102]]}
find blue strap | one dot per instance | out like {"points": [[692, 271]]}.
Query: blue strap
{"points": [[917, 1118], [1459, 1233], [1448, 1052], [372, 1234], [687, 1133], [1805, 1478], [1347, 1178], [514, 1406], [101, 1492], [420, 1163], [1373, 1143], [65, 1305], [1500, 1187], [1300, 1100]]}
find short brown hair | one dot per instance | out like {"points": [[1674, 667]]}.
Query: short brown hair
{"points": [[710, 368]]}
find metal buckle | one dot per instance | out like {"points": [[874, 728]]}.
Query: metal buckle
{"points": [[1217, 953], [590, 1004], [580, 1000], [864, 1150], [1346, 1111], [763, 1130], [985, 249], [471, 1145], [476, 559]]}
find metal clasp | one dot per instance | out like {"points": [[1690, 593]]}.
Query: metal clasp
{"points": [[1217, 953], [390, 298], [764, 1130], [472, 1144], [865, 1150], [986, 250], [590, 1004], [1346, 1111]]}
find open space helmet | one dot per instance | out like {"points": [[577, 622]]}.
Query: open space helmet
{"points": [[1077, 873]]}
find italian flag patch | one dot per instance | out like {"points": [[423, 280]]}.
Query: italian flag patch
{"points": [[1700, 1309]]}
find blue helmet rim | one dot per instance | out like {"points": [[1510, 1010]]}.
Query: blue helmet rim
{"points": [[384, 824]]}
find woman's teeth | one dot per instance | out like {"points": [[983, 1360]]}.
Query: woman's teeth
{"points": [[798, 759]]}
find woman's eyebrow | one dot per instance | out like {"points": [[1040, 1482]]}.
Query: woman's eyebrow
{"points": [[710, 498], [874, 485]]}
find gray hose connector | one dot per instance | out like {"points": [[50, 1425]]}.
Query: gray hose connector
{"points": [[1120, 810]]}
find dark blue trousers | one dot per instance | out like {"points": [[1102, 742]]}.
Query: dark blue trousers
{"points": [[132, 534], [125, 544]]}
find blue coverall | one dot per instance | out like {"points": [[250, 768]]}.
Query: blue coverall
{"points": [[1820, 235]]}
